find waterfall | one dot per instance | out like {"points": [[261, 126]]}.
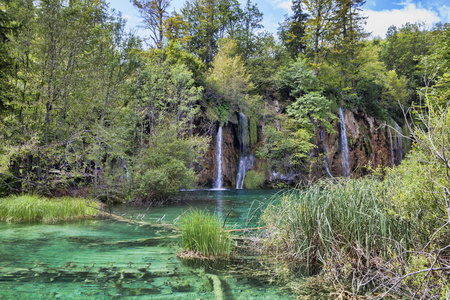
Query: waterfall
{"points": [[245, 163], [392, 146], [328, 170], [246, 160], [344, 145], [398, 153], [218, 182], [399, 141]]}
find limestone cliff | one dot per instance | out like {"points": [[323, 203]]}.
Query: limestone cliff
{"points": [[370, 143]]}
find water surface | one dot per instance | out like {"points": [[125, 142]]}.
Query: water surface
{"points": [[107, 259]]}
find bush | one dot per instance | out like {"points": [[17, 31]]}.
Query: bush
{"points": [[164, 168], [203, 234]]}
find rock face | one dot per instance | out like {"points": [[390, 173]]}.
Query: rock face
{"points": [[230, 159], [370, 143]]}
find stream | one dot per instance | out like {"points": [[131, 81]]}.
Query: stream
{"points": [[108, 259]]}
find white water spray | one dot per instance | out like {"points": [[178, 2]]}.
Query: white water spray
{"points": [[246, 160], [344, 146], [218, 182]]}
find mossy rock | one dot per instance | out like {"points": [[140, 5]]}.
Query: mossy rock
{"points": [[254, 179], [253, 131]]}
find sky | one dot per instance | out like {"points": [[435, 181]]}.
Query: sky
{"points": [[381, 13]]}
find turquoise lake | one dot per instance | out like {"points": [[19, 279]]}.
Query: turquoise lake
{"points": [[108, 259]]}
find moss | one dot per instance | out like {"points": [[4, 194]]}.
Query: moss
{"points": [[254, 179], [367, 143], [253, 131]]}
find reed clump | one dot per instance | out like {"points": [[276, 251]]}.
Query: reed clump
{"points": [[35, 208], [203, 236], [343, 225]]}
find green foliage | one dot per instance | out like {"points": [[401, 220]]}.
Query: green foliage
{"points": [[329, 222], [254, 179], [287, 147], [164, 168], [415, 197], [253, 131], [292, 30], [401, 49], [202, 233], [36, 208], [229, 80], [223, 113]]}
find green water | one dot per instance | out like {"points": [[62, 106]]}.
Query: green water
{"points": [[106, 259]]}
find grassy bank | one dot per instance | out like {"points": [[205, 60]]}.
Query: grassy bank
{"points": [[360, 236], [333, 222], [36, 208]]}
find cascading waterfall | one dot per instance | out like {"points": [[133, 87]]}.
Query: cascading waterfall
{"points": [[399, 140], [246, 160], [398, 154], [218, 182], [328, 170], [392, 146], [344, 145]]}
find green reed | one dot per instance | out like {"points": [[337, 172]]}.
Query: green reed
{"points": [[36, 208], [203, 233], [329, 221]]}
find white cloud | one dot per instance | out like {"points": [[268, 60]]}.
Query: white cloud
{"points": [[286, 5], [379, 21], [283, 4], [444, 12]]}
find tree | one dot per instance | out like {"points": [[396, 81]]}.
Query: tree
{"points": [[292, 30], [154, 14], [71, 64], [400, 51], [229, 80], [319, 27], [209, 21], [6, 61], [347, 42], [166, 102]]}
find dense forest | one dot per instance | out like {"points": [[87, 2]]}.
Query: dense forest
{"points": [[89, 109], [83, 104]]}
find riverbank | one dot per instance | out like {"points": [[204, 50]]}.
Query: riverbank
{"points": [[27, 208]]}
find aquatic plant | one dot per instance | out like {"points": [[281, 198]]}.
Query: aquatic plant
{"points": [[202, 233], [344, 223], [36, 208]]}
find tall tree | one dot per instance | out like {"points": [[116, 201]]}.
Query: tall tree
{"points": [[154, 14], [400, 50], [318, 29], [208, 21], [347, 41], [6, 61], [292, 30]]}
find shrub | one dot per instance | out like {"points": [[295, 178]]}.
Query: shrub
{"points": [[202, 233]]}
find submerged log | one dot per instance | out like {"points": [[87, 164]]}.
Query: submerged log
{"points": [[246, 229], [217, 284], [139, 242], [109, 215]]}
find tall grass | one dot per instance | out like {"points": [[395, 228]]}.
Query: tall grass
{"points": [[36, 208], [203, 233], [346, 223]]}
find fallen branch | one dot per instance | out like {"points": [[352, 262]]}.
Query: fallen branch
{"points": [[245, 229]]}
